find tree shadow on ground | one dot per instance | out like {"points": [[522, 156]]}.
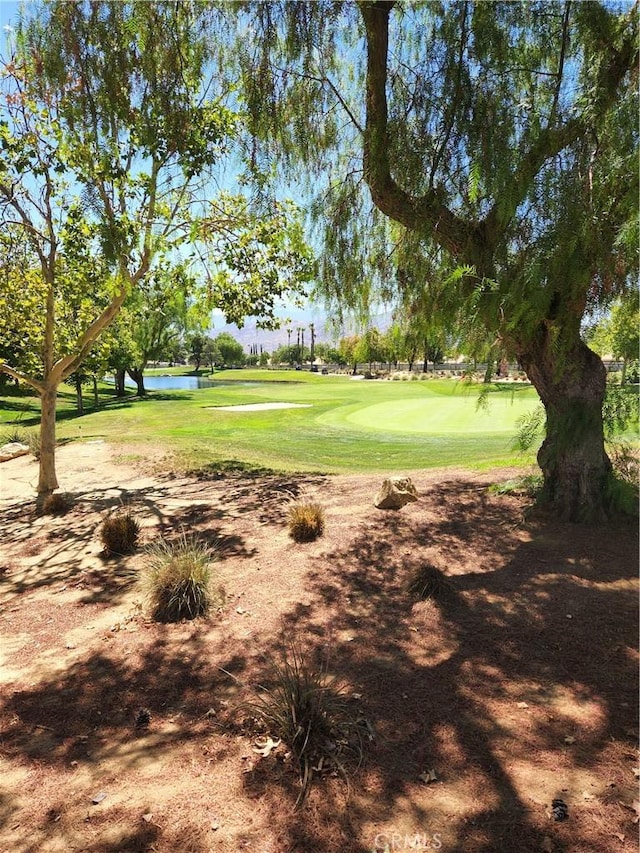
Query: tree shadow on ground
{"points": [[530, 645], [61, 543], [533, 648]]}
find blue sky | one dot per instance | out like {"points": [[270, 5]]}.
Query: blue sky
{"points": [[8, 12]]}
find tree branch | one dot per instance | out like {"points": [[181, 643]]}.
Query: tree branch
{"points": [[426, 213], [552, 140], [65, 366], [16, 374]]}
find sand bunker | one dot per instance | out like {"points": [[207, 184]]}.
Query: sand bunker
{"points": [[260, 407]]}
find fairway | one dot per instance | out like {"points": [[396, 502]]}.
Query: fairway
{"points": [[299, 421]]}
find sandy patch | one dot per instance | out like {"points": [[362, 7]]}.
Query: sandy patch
{"points": [[261, 407]]}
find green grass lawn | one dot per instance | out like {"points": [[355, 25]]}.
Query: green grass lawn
{"points": [[349, 425]]}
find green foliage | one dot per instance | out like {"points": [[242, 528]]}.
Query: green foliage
{"points": [[179, 579], [33, 441], [230, 350], [310, 713], [529, 485], [306, 521], [530, 429], [621, 410], [259, 256], [618, 334], [15, 434], [119, 533], [624, 481]]}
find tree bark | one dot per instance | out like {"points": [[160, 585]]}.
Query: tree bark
{"points": [[138, 378], [571, 382], [119, 382], [96, 400], [47, 480]]}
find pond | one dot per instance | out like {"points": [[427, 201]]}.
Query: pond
{"points": [[180, 383]]}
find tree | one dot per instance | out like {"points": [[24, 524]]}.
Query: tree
{"points": [[196, 345], [91, 158], [211, 353], [108, 147], [370, 347], [502, 134], [231, 350], [618, 334], [348, 349], [162, 310]]}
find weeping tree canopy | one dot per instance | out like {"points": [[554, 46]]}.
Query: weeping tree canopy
{"points": [[474, 155]]}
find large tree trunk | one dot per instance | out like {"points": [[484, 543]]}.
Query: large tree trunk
{"points": [[47, 480], [138, 378], [119, 382], [571, 382]]}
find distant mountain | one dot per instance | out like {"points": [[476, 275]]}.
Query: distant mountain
{"points": [[294, 319]]}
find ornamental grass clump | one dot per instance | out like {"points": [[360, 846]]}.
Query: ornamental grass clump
{"points": [[119, 533], [179, 579], [428, 582], [56, 504], [310, 713], [306, 522]]}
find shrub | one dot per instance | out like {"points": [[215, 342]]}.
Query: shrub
{"points": [[179, 579], [311, 714], [624, 481], [33, 441], [427, 581], [14, 435], [529, 485], [119, 532], [306, 522], [56, 504]]}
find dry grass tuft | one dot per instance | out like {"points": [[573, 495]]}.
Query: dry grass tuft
{"points": [[56, 504], [179, 579], [310, 713], [306, 522], [119, 533], [428, 582]]}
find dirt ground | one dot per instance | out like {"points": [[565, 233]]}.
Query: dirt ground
{"points": [[483, 708]]}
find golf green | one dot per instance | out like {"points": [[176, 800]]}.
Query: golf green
{"points": [[433, 415]]}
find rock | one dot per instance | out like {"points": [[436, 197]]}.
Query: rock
{"points": [[394, 494], [13, 449]]}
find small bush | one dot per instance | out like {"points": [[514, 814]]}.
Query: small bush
{"points": [[56, 504], [311, 714], [119, 533], [529, 485], [14, 435], [306, 522], [33, 441], [179, 579], [624, 481], [427, 581]]}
